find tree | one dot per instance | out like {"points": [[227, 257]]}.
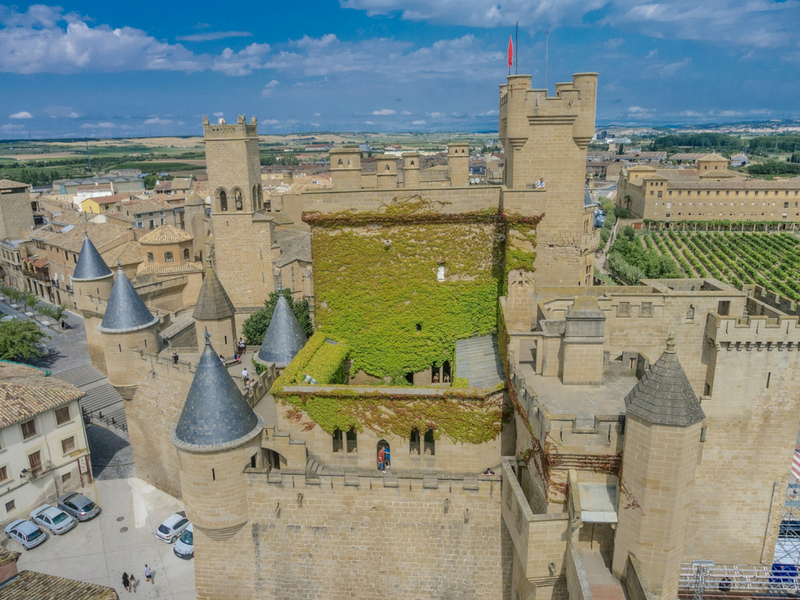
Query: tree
{"points": [[30, 299], [150, 181], [256, 325], [54, 312], [13, 293], [19, 339], [621, 149]]}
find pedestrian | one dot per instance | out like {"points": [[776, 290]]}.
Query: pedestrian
{"points": [[126, 582], [387, 458], [63, 324], [245, 374], [242, 346], [148, 574], [381, 459], [174, 358], [133, 583], [222, 359]]}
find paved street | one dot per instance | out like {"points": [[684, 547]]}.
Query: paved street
{"points": [[120, 539]]}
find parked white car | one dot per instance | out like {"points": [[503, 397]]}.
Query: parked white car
{"points": [[184, 547], [52, 518], [172, 527]]}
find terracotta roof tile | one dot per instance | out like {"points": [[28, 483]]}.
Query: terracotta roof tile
{"points": [[26, 392], [166, 234], [8, 184], [29, 584]]}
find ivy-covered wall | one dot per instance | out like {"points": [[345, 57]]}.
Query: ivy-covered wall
{"points": [[375, 279]]}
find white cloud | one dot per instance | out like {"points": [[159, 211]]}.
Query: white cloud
{"points": [[242, 62], [317, 114], [269, 88], [55, 112], [213, 35], [638, 111], [368, 123], [436, 115], [12, 127], [23, 114], [102, 125], [756, 23], [269, 122], [419, 122], [157, 121], [219, 114], [406, 113], [384, 112]]}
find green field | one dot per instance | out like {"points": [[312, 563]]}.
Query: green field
{"points": [[771, 260]]}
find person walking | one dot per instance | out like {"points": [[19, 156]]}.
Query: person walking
{"points": [[242, 346], [126, 582], [133, 582], [381, 459], [245, 374], [174, 358], [148, 574]]}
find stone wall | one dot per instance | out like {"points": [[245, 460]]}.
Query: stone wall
{"points": [[16, 215], [367, 537]]}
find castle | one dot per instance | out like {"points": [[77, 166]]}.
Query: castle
{"points": [[548, 438]]}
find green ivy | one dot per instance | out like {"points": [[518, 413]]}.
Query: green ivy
{"points": [[327, 364], [458, 416], [375, 276]]}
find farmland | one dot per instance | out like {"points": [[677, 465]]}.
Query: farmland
{"points": [[771, 260]]}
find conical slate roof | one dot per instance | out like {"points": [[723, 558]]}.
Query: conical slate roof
{"points": [[284, 337], [215, 411], [213, 302], [90, 264], [125, 310], [664, 395]]}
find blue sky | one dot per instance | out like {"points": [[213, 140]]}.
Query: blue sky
{"points": [[154, 68]]}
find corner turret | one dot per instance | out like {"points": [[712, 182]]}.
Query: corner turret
{"points": [[214, 314], [662, 448], [284, 338], [127, 325], [92, 283]]}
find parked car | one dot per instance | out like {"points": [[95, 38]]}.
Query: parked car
{"points": [[52, 518], [184, 547], [79, 506], [172, 527], [26, 533]]}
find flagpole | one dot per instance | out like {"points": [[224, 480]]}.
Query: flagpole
{"points": [[546, 58], [516, 52]]}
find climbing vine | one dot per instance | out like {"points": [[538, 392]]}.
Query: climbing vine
{"points": [[458, 417], [378, 279]]}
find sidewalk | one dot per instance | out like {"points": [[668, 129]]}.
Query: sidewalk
{"points": [[120, 539]]}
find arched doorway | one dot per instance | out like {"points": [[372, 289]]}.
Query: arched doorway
{"points": [[383, 455]]}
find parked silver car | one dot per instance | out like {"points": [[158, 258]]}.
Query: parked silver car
{"points": [[79, 506], [25, 533], [172, 527], [184, 547], [52, 518]]}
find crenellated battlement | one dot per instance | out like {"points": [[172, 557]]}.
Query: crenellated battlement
{"points": [[757, 333], [240, 129]]}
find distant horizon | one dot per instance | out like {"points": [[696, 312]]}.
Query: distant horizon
{"points": [[112, 69]]}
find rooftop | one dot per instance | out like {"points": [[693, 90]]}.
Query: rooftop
{"points": [[127, 254], [26, 392], [30, 584], [125, 310], [166, 234], [213, 302], [90, 264], [294, 244], [71, 239], [8, 184], [606, 399], [478, 361]]}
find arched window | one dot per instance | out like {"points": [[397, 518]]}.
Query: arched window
{"points": [[340, 163], [260, 196], [185, 254], [223, 200], [387, 168], [237, 199], [149, 257], [168, 257], [255, 197]]}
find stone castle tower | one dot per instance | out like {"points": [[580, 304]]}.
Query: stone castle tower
{"points": [[545, 140], [662, 449], [92, 283], [127, 325], [215, 314], [217, 436], [243, 234]]}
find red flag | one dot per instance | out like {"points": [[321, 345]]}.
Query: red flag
{"points": [[510, 52]]}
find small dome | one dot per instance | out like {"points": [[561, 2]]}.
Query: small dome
{"points": [[90, 264], [125, 310], [284, 337], [215, 411]]}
